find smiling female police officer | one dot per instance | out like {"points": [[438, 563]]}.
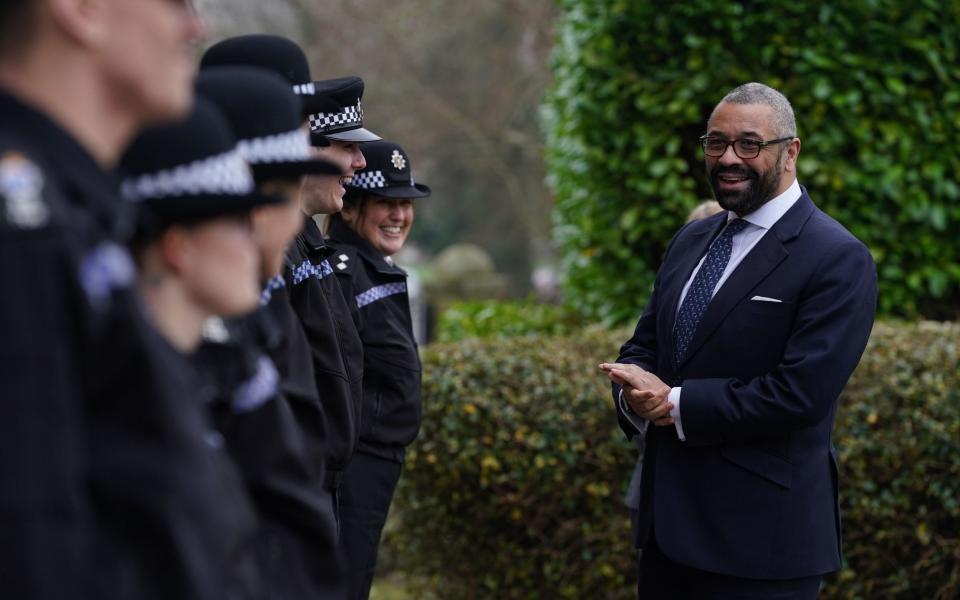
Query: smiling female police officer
{"points": [[374, 224]]}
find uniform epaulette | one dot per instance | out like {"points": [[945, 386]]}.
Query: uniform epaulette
{"points": [[343, 260]]}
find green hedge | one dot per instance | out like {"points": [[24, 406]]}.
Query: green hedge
{"points": [[504, 318], [876, 88], [514, 487]]}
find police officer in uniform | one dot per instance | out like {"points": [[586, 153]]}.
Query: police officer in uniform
{"points": [[197, 256], [333, 112], [76, 82], [262, 424], [328, 319], [376, 218]]}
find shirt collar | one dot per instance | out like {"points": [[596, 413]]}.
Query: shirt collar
{"points": [[768, 214]]}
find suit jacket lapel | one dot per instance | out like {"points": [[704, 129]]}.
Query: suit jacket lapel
{"points": [[762, 259]]}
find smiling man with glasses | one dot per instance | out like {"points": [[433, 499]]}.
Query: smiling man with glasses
{"points": [[758, 316]]}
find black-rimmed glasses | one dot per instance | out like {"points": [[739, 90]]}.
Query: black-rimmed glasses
{"points": [[743, 147]]}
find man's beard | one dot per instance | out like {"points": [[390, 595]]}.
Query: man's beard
{"points": [[760, 190]]}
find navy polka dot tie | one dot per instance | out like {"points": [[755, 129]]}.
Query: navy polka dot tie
{"points": [[701, 290]]}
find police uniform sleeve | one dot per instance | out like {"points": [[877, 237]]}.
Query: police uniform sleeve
{"points": [[44, 514]]}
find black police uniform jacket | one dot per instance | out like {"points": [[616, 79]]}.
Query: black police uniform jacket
{"points": [[108, 485], [259, 417], [331, 330], [392, 372]]}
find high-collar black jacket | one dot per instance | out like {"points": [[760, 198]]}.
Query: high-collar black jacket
{"points": [[109, 485], [391, 369], [335, 347], [260, 420]]}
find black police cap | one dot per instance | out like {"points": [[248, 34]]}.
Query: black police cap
{"points": [[388, 173], [345, 122], [274, 53], [265, 116], [189, 171]]}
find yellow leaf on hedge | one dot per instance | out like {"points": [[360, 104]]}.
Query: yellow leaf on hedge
{"points": [[923, 534], [607, 571], [490, 462], [872, 418], [469, 408]]}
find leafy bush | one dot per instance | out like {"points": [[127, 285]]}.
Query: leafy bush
{"points": [[501, 318], [876, 88], [514, 487], [898, 437]]}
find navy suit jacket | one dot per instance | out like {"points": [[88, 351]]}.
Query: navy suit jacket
{"points": [[752, 492]]}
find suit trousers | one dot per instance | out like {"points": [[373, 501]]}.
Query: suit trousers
{"points": [[663, 579], [365, 495]]}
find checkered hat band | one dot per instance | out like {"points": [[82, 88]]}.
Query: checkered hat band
{"points": [[307, 269], [293, 146], [380, 292], [305, 89], [369, 180], [226, 174], [350, 117]]}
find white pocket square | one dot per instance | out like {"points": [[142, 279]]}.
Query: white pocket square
{"points": [[765, 299]]}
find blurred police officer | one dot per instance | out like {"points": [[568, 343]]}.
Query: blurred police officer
{"points": [[332, 109], [77, 79], [196, 256], [256, 415]]}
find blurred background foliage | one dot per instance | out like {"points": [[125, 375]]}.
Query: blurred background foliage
{"points": [[875, 85], [628, 86], [505, 318]]}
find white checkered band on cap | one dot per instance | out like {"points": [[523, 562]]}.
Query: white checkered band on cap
{"points": [[226, 174], [305, 89], [369, 180], [349, 117], [293, 146]]}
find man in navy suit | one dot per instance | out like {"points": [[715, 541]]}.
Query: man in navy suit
{"points": [[757, 318]]}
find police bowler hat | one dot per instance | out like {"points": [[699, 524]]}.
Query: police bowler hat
{"points": [[344, 122], [388, 173], [274, 53], [188, 172], [265, 116]]}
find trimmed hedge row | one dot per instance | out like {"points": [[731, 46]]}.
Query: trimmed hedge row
{"points": [[514, 487], [876, 89], [504, 318]]}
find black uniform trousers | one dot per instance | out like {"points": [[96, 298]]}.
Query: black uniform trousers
{"points": [[366, 491]]}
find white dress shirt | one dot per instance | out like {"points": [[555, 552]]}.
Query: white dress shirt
{"points": [[760, 221]]}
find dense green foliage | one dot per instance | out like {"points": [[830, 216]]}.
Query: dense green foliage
{"points": [[875, 85], [514, 487], [504, 318]]}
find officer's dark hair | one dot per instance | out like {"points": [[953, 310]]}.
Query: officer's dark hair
{"points": [[354, 198], [18, 21]]}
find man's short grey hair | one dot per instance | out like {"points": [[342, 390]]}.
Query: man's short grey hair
{"points": [[784, 122]]}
